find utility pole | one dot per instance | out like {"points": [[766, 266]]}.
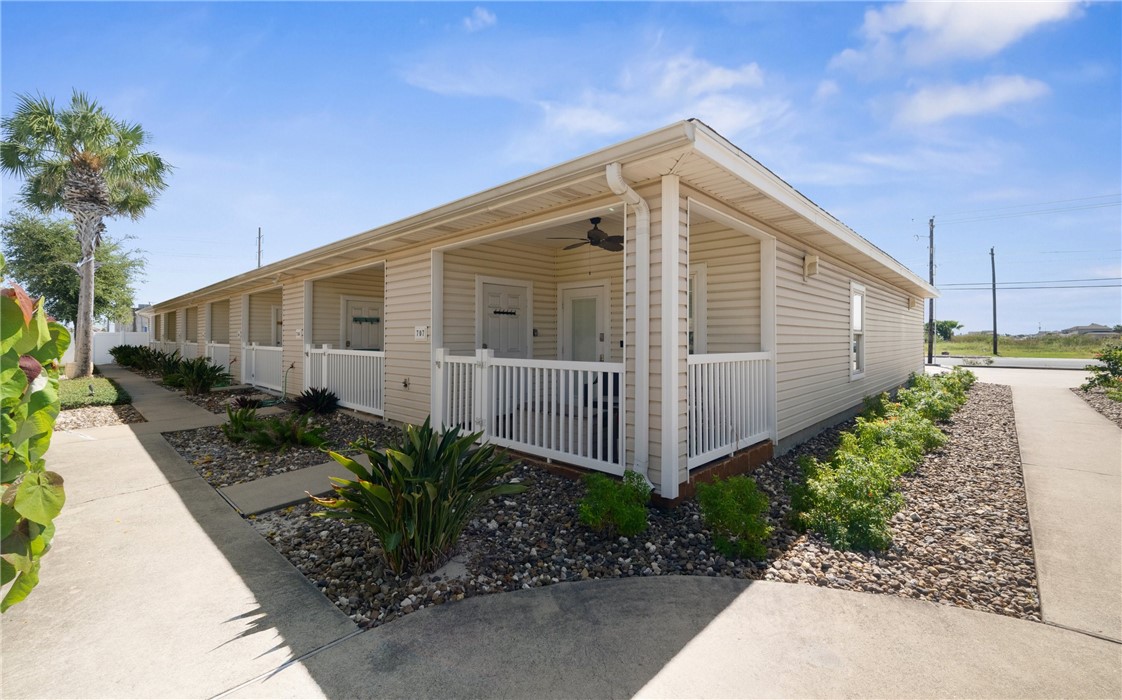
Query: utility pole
{"points": [[993, 286], [931, 303], [258, 246]]}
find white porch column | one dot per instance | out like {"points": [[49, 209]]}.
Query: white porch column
{"points": [[306, 332], [436, 338], [673, 306]]}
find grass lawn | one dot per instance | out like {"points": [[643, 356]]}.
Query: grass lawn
{"points": [[75, 393], [1077, 346]]}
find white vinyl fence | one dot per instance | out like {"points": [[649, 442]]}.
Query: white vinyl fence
{"points": [[262, 366], [103, 341], [219, 354], [357, 377], [570, 411], [729, 403]]}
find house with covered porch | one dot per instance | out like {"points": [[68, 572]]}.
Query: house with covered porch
{"points": [[657, 305]]}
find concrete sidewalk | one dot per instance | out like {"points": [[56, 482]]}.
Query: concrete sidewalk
{"points": [[157, 588]]}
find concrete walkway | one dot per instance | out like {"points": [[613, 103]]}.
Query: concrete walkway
{"points": [[157, 588], [1072, 461]]}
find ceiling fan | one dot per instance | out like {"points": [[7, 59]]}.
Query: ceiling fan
{"points": [[595, 237]]}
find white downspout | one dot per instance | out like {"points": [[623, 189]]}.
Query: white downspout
{"points": [[642, 313]]}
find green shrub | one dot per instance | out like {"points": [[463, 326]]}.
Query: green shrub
{"points": [[197, 376], [1109, 374], [91, 391], [244, 401], [282, 432], [418, 495], [320, 401], [239, 423], [617, 506], [167, 364], [736, 511], [30, 350]]}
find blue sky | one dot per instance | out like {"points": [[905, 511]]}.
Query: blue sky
{"points": [[315, 121]]}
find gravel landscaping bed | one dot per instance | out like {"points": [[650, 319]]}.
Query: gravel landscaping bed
{"points": [[97, 416], [1098, 400], [222, 463], [217, 401], [962, 539]]}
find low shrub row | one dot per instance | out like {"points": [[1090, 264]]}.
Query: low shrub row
{"points": [[195, 376], [1108, 375], [851, 498]]}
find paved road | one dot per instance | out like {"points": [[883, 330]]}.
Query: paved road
{"points": [[1018, 362]]}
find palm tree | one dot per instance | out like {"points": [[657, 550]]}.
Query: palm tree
{"points": [[81, 160]]}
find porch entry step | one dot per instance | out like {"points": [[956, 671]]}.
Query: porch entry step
{"points": [[282, 490]]}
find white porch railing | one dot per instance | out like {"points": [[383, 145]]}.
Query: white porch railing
{"points": [[167, 346], [262, 366], [358, 377], [729, 403], [569, 411], [219, 354]]}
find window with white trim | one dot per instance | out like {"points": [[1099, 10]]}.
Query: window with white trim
{"points": [[856, 330]]}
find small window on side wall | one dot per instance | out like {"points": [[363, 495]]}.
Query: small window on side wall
{"points": [[856, 330]]}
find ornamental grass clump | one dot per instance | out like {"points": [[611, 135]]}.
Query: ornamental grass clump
{"points": [[615, 506], [736, 511], [418, 495], [850, 499]]}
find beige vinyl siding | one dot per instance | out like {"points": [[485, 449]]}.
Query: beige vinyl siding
{"points": [[813, 337], [408, 361], [234, 306], [292, 354], [462, 268], [680, 301], [653, 195], [261, 315], [732, 279], [587, 264], [327, 295], [191, 327], [220, 321]]}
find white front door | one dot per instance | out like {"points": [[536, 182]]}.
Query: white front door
{"points": [[505, 319], [362, 320], [584, 323]]}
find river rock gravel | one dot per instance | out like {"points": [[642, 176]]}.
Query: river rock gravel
{"points": [[222, 463], [1097, 399], [963, 538], [97, 417]]}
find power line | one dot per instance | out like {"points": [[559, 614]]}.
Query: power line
{"points": [[1085, 279], [1034, 204], [1028, 213], [986, 287]]}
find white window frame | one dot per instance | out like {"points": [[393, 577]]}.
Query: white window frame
{"points": [[857, 336]]}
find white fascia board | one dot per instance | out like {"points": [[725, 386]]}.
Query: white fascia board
{"points": [[719, 150]]}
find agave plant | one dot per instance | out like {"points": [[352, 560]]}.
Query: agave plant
{"points": [[197, 376], [417, 496], [318, 400]]}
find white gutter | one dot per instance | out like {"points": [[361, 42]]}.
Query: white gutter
{"points": [[614, 173]]}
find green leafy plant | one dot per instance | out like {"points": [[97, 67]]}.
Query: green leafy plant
{"points": [[616, 506], [30, 349], [1109, 373], [418, 495], [850, 499], [167, 364], [239, 423], [197, 376], [318, 400], [736, 511], [282, 432]]}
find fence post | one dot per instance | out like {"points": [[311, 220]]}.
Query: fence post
{"points": [[438, 379], [481, 396]]}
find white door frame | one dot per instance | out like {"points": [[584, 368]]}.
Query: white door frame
{"points": [[603, 287], [343, 301], [480, 302]]}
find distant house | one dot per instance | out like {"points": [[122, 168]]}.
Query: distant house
{"points": [[1091, 329], [656, 305]]}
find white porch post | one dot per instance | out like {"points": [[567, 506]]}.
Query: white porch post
{"points": [[671, 330], [243, 338], [306, 333], [768, 329], [436, 337], [438, 388]]}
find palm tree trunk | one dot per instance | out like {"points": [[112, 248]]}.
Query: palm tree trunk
{"points": [[88, 228]]}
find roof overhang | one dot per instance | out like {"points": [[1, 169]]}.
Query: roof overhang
{"points": [[644, 159]]}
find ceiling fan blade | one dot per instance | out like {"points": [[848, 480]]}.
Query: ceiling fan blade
{"points": [[613, 246], [614, 240], [564, 238], [575, 245]]}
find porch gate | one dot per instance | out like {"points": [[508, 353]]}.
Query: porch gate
{"points": [[569, 411], [219, 354], [262, 366], [358, 377]]}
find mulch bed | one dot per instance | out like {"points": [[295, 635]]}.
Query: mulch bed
{"points": [[97, 417], [963, 538], [1097, 399]]}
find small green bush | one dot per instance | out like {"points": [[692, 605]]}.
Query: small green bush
{"points": [[167, 364], [281, 432], [736, 510], [318, 400], [197, 376], [239, 423], [76, 393], [418, 495], [1109, 374], [616, 506]]}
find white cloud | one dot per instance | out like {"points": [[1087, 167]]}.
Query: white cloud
{"points": [[935, 104], [826, 89], [925, 33], [480, 18]]}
